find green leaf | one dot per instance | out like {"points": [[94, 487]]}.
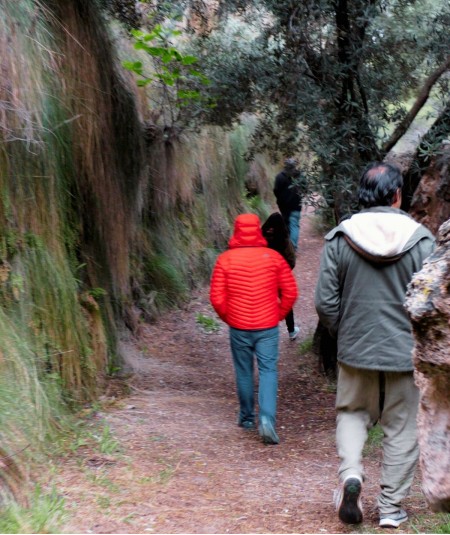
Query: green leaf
{"points": [[176, 54], [168, 79], [150, 37], [134, 66], [166, 56], [156, 51], [128, 65], [143, 82], [188, 94], [204, 80], [189, 60], [137, 33]]}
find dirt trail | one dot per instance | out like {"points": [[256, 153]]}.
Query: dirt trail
{"points": [[184, 465]]}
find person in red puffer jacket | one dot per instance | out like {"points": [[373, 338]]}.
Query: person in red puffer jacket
{"points": [[252, 290]]}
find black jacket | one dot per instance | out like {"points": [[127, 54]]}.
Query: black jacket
{"points": [[288, 191]]}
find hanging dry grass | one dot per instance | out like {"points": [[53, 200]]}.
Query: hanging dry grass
{"points": [[106, 136], [49, 342]]}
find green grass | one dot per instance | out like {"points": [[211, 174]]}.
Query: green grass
{"points": [[45, 514], [443, 527], [374, 440], [306, 345], [162, 477], [435, 523]]}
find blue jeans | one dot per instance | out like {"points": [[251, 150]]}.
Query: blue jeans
{"points": [[294, 227], [264, 344]]}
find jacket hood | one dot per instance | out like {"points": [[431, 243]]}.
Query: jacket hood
{"points": [[247, 232], [381, 233]]}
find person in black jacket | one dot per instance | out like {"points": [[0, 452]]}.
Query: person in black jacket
{"points": [[277, 236], [288, 192]]}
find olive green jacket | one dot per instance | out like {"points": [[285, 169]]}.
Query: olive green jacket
{"points": [[367, 262]]}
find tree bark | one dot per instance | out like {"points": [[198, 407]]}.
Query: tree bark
{"points": [[431, 201], [417, 106], [428, 304]]}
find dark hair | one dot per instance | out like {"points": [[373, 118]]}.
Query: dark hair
{"points": [[378, 184], [290, 163], [275, 232]]}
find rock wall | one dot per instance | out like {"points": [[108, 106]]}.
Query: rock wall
{"points": [[428, 303]]}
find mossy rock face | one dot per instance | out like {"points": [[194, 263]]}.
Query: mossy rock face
{"points": [[428, 302]]}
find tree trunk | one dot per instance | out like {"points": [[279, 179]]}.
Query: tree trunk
{"points": [[421, 161], [428, 303], [431, 201]]}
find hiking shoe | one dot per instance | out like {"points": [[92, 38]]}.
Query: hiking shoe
{"points": [[247, 424], [348, 501], [267, 431], [393, 520], [293, 335]]}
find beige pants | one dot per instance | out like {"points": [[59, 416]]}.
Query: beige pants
{"points": [[358, 409]]}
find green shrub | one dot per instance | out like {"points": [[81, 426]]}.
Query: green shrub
{"points": [[208, 324]]}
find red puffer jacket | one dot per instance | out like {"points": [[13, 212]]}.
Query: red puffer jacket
{"points": [[252, 286]]}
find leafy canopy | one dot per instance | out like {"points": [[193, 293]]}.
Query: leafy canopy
{"points": [[334, 79]]}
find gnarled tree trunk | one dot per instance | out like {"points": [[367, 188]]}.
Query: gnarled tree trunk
{"points": [[431, 201], [428, 303]]}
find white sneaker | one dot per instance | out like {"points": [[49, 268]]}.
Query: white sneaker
{"points": [[393, 520], [293, 335], [348, 500]]}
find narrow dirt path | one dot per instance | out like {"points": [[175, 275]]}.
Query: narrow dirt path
{"points": [[184, 466]]}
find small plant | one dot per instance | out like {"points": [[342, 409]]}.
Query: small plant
{"points": [[208, 324], [79, 441], [96, 293], [106, 442], [258, 206], [113, 369]]}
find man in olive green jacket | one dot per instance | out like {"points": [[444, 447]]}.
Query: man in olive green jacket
{"points": [[367, 263]]}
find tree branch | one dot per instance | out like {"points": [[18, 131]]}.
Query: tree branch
{"points": [[418, 105]]}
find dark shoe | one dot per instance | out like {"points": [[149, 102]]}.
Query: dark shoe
{"points": [[267, 431], [247, 424], [348, 501], [393, 520]]}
